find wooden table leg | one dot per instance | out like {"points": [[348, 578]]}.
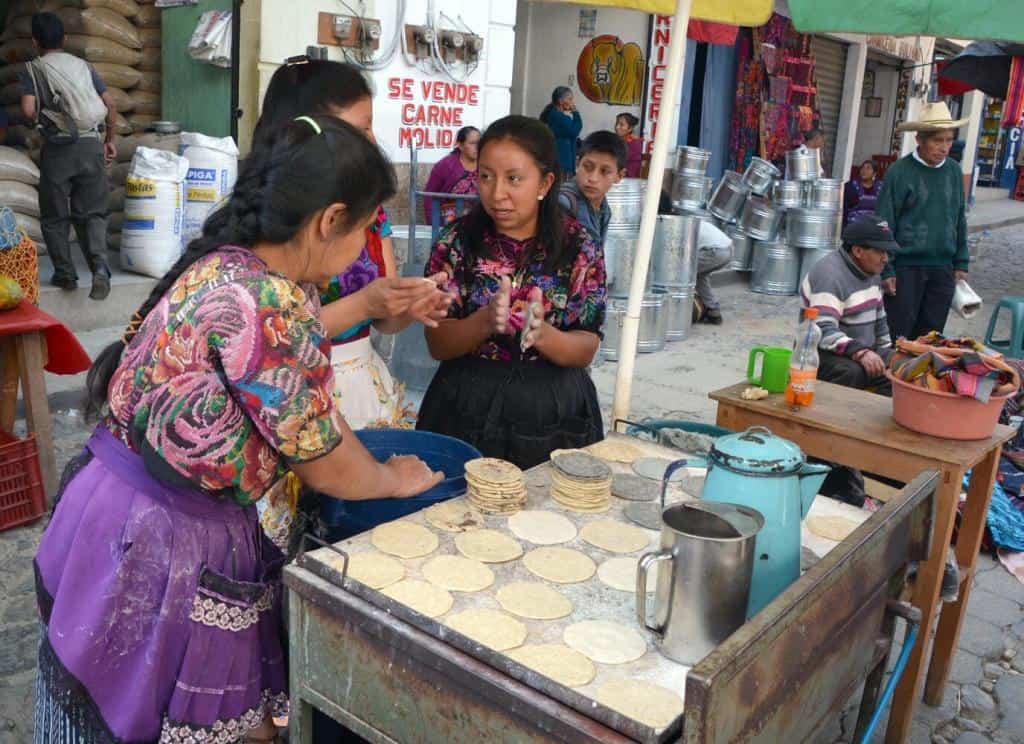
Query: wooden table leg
{"points": [[926, 596], [968, 543], [31, 353], [8, 383]]}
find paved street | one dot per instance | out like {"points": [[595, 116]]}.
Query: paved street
{"points": [[985, 701]]}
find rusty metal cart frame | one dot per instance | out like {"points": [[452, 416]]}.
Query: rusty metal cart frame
{"points": [[778, 678]]}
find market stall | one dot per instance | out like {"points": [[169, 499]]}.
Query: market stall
{"points": [[390, 672]]}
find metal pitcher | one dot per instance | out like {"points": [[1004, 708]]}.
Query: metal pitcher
{"points": [[707, 549]]}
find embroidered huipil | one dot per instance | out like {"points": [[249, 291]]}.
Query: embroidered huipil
{"points": [[228, 380], [574, 295]]}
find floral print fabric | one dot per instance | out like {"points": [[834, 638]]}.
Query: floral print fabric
{"points": [[574, 294], [228, 380], [367, 267]]}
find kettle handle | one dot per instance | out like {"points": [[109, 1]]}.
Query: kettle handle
{"points": [[641, 587], [670, 470]]}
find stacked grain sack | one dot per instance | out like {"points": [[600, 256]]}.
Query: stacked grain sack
{"points": [[121, 38], [19, 177]]}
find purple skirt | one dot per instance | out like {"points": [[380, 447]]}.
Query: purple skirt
{"points": [[162, 607]]}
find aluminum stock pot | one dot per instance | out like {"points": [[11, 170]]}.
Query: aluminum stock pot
{"points": [[760, 219], [759, 175], [619, 254], [728, 197], [653, 325], [803, 164], [788, 194], [742, 249], [692, 161], [826, 193], [775, 268], [626, 200], [675, 249], [690, 192], [812, 228]]}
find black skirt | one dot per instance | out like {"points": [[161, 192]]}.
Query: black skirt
{"points": [[512, 410]]}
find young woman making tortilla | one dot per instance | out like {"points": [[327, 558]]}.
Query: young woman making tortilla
{"points": [[517, 392], [158, 593]]}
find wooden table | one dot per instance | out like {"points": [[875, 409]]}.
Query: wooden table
{"points": [[32, 341], [856, 429]]}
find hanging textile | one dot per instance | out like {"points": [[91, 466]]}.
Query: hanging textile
{"points": [[776, 93], [1013, 107], [711, 32]]}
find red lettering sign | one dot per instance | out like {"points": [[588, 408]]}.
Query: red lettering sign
{"points": [[431, 121], [661, 37]]}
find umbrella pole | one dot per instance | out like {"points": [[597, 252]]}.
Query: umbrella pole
{"points": [[671, 92]]}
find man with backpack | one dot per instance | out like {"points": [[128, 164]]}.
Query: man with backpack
{"points": [[75, 113]]}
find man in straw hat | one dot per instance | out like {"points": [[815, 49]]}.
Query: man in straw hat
{"points": [[922, 199]]}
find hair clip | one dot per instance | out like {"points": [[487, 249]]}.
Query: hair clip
{"points": [[300, 59], [309, 120]]}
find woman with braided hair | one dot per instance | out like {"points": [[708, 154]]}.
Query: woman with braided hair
{"points": [[158, 591], [369, 293]]}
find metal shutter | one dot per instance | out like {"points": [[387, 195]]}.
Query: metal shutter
{"points": [[829, 73]]}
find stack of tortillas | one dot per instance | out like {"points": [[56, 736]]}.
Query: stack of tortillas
{"points": [[580, 481], [495, 486]]}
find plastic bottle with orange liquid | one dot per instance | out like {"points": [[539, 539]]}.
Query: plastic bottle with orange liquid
{"points": [[803, 365]]}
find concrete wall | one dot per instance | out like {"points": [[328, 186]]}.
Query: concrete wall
{"points": [[548, 47], [874, 135], [289, 26]]}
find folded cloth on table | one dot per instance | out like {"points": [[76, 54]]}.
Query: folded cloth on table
{"points": [[961, 366]]}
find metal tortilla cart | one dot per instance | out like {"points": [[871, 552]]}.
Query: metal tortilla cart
{"points": [[393, 675]]}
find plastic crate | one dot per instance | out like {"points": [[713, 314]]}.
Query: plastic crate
{"points": [[22, 498]]}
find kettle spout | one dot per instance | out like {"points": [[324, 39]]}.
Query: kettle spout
{"points": [[811, 478]]}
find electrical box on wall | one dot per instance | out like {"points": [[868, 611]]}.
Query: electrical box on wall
{"points": [[453, 45], [348, 31]]}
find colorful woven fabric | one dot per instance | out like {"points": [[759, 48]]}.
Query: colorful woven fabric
{"points": [[1013, 106], [759, 126], [953, 365]]}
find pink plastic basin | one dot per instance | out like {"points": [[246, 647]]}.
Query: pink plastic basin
{"points": [[945, 415]]}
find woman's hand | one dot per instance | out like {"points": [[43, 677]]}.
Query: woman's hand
{"points": [[533, 328], [389, 297], [411, 476], [433, 307], [498, 311]]}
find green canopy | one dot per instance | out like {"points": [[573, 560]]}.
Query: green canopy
{"points": [[1001, 20]]}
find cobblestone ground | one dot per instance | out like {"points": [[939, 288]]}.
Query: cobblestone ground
{"points": [[985, 697]]}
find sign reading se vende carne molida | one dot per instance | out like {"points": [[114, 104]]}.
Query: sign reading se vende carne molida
{"points": [[432, 111]]}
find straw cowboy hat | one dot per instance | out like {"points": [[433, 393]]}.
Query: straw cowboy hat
{"points": [[934, 117]]}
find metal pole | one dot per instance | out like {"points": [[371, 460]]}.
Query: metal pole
{"points": [[659, 156]]}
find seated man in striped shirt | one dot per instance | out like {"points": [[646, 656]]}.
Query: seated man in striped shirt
{"points": [[846, 288]]}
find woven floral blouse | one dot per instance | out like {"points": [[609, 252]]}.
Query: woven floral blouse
{"points": [[574, 294], [228, 380], [368, 266]]}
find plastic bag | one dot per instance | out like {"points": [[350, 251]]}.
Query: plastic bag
{"points": [[211, 41], [966, 302]]}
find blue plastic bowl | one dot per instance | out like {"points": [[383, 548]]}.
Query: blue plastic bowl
{"points": [[694, 427], [439, 452]]}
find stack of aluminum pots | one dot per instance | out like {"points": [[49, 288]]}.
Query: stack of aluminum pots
{"points": [[810, 210], [620, 247], [674, 259], [676, 240]]}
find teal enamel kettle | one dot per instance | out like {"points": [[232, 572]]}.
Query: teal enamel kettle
{"points": [[759, 470]]}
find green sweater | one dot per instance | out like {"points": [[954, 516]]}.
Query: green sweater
{"points": [[925, 209]]}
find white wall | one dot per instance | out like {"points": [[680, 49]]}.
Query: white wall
{"points": [[874, 135], [289, 26], [547, 57]]}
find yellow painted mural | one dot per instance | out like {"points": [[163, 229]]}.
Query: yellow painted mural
{"points": [[611, 71]]}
